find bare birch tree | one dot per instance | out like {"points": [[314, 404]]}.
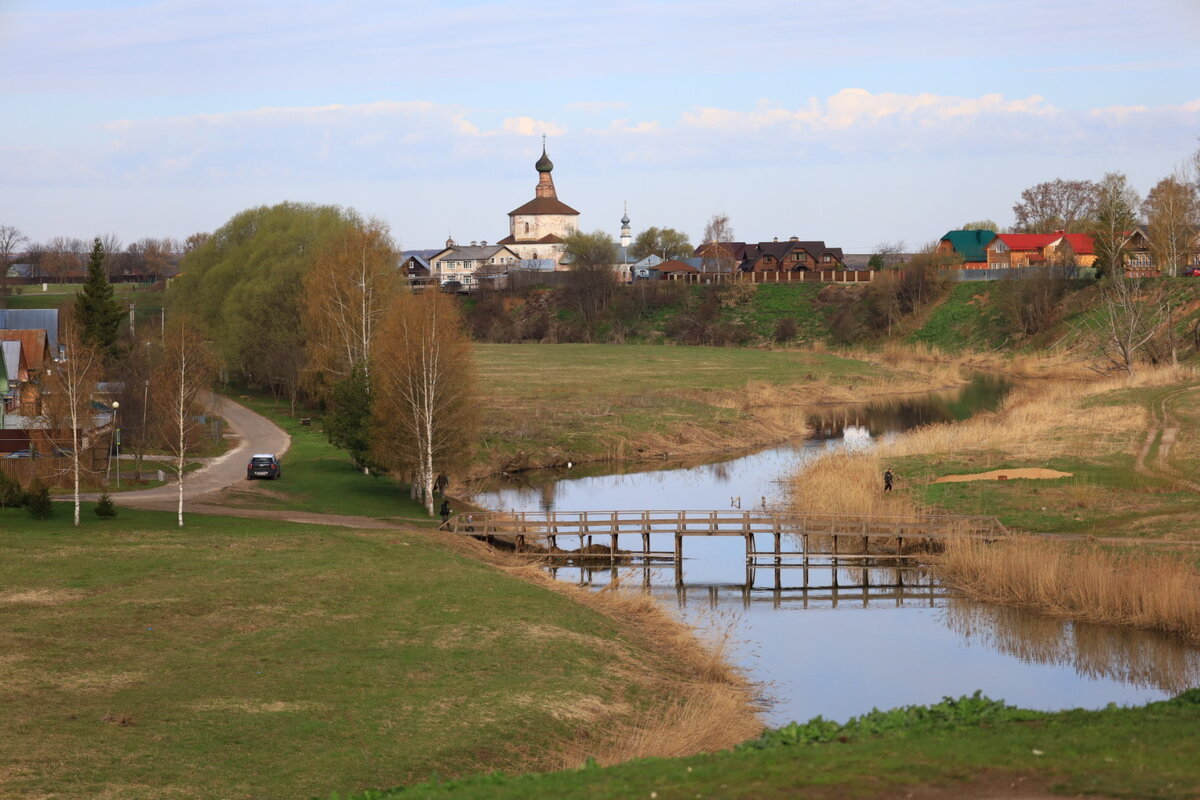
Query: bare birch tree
{"points": [[179, 390], [70, 384], [424, 411], [718, 231], [1127, 320], [347, 290]]}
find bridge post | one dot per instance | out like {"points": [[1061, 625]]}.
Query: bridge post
{"points": [[612, 548], [678, 558]]}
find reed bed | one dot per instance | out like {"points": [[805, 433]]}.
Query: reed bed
{"points": [[1077, 581]]}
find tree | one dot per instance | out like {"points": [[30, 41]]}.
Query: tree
{"points": [[1116, 209], [1171, 210], [666, 243], [346, 292], [113, 257], [348, 424], [251, 264], [717, 231], [195, 241], [1056, 205], [153, 257], [1126, 322], [67, 401], [887, 255], [592, 281], [424, 408], [10, 240], [60, 258], [981, 225], [179, 388], [96, 308]]}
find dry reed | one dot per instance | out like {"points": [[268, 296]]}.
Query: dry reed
{"points": [[1080, 582]]}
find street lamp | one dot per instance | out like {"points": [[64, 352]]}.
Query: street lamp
{"points": [[116, 406]]}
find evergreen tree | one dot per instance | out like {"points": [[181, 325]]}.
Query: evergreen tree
{"points": [[348, 423], [37, 501], [96, 307], [105, 509]]}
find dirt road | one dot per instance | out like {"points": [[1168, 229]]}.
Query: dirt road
{"points": [[257, 435]]}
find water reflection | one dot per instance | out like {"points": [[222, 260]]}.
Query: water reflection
{"points": [[1138, 658]]}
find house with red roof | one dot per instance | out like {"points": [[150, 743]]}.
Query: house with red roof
{"points": [[1019, 250]]}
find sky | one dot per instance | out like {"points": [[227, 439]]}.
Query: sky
{"points": [[852, 121]]}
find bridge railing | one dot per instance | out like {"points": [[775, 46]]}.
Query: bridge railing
{"points": [[726, 522]]}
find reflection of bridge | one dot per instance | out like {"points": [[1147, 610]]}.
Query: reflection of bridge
{"points": [[859, 586], [829, 540]]}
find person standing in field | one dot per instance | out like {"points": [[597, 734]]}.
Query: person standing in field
{"points": [[445, 512], [887, 480]]}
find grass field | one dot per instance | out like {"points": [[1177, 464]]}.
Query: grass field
{"points": [[255, 659], [1142, 753], [148, 303], [583, 402]]}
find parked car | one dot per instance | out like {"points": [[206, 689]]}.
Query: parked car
{"points": [[1191, 272], [20, 454], [263, 465]]}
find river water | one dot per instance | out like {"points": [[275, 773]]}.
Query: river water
{"points": [[882, 638]]}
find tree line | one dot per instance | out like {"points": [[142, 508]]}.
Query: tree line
{"points": [[306, 301]]}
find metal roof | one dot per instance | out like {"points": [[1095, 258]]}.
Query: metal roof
{"points": [[28, 319]]}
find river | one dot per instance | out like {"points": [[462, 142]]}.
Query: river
{"points": [[894, 639]]}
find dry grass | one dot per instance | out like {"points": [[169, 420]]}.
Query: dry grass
{"points": [[847, 483], [708, 705], [1078, 582]]}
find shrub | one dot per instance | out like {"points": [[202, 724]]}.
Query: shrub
{"points": [[37, 501], [785, 330], [105, 509], [11, 493]]}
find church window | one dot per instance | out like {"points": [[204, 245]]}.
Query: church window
{"points": [[527, 227]]}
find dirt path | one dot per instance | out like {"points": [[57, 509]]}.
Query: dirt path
{"points": [[258, 435], [1164, 430]]}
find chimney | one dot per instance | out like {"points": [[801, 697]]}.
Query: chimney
{"points": [[472, 243], [777, 238], [794, 239], [483, 243]]}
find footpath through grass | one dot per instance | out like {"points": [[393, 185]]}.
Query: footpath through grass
{"points": [[258, 659], [966, 748]]}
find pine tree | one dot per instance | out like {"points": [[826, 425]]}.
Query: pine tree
{"points": [[37, 501], [96, 307], [105, 508]]}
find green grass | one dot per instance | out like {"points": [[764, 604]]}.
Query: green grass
{"points": [[1146, 752], [585, 401], [320, 478], [259, 659], [773, 302], [965, 319]]}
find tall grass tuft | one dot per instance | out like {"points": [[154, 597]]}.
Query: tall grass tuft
{"points": [[1078, 581]]}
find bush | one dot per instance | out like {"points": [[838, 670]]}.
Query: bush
{"points": [[11, 493], [37, 501], [105, 509], [785, 330]]}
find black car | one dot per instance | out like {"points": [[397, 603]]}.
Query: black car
{"points": [[263, 465]]}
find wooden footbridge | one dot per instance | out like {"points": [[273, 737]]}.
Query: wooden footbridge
{"points": [[792, 539]]}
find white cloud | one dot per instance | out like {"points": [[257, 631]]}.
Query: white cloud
{"points": [[597, 106]]}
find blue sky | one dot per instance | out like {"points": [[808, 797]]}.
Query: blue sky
{"points": [[850, 121]]}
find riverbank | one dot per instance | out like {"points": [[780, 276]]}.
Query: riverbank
{"points": [[255, 658], [966, 748]]}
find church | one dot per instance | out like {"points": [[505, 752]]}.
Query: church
{"points": [[536, 230]]}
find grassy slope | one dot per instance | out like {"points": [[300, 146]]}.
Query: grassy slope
{"points": [[964, 320], [247, 658], [588, 401], [1138, 753]]}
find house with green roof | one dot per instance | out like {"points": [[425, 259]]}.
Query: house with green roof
{"points": [[970, 246]]}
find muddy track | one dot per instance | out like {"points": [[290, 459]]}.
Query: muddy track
{"points": [[1163, 431]]}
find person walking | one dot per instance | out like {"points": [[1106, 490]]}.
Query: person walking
{"points": [[445, 512], [887, 480]]}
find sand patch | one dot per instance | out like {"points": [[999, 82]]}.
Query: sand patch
{"points": [[40, 597], [1006, 474]]}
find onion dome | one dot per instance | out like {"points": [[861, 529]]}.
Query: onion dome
{"points": [[544, 164], [625, 219]]}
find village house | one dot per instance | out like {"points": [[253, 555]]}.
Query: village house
{"points": [[1139, 254], [1021, 250], [969, 246], [467, 264], [29, 365], [775, 256]]}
